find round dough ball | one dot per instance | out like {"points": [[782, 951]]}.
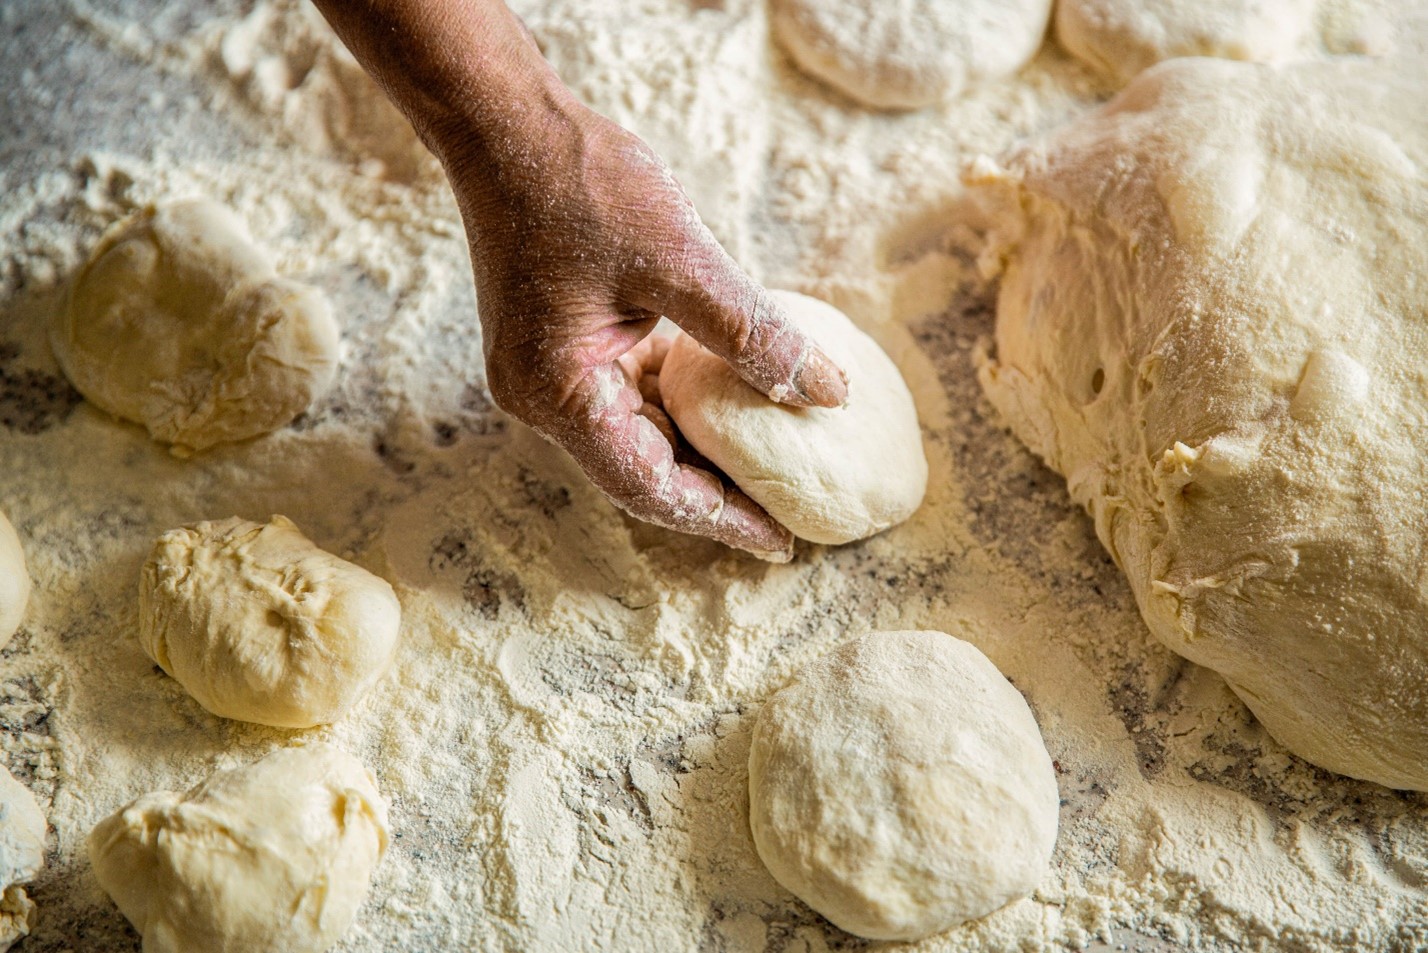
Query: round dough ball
{"points": [[22, 855], [1212, 322], [1123, 37], [14, 582], [906, 54], [273, 857], [899, 786], [260, 625], [831, 475], [180, 323]]}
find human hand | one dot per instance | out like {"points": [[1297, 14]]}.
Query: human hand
{"points": [[580, 239]]}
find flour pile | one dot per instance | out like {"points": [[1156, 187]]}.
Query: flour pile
{"points": [[564, 736]]}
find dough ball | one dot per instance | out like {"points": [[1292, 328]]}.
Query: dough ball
{"points": [[180, 323], [273, 857], [829, 475], [899, 786], [906, 54], [1213, 322], [1123, 37], [14, 582], [260, 625], [22, 854]]}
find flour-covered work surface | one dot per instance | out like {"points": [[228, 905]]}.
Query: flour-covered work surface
{"points": [[560, 743]]}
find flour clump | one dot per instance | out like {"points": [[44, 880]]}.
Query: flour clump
{"points": [[906, 54], [900, 786], [259, 624], [273, 857], [22, 855], [180, 323], [831, 475], [14, 582], [1211, 323]]}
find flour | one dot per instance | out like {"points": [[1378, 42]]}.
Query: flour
{"points": [[564, 736]]}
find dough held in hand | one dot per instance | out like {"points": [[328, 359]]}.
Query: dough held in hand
{"points": [[22, 854], [273, 857], [260, 625], [831, 475], [906, 54], [14, 582], [180, 323], [899, 786], [1213, 321]]}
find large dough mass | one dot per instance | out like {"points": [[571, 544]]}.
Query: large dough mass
{"points": [[273, 857], [829, 475], [899, 786], [1214, 322], [259, 624], [22, 855], [179, 322]]}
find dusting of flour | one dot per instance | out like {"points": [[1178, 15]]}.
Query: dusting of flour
{"points": [[565, 736]]}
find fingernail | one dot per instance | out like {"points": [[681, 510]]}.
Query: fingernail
{"points": [[820, 381]]}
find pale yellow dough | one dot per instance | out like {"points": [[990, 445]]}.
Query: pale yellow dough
{"points": [[259, 624], [14, 582], [907, 54], [22, 856], [180, 323], [273, 857], [1123, 37], [831, 475], [1214, 322], [899, 786]]}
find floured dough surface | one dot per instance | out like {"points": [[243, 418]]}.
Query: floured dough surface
{"points": [[273, 857], [906, 54], [899, 786], [1212, 322], [831, 475], [261, 625], [1123, 37], [14, 581], [22, 855], [180, 323]]}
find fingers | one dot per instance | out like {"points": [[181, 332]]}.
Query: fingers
{"points": [[734, 316], [613, 434]]}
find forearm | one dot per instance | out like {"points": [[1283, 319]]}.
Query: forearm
{"points": [[465, 72]]}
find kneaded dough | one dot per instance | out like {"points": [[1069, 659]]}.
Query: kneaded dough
{"points": [[180, 323], [14, 582], [1123, 37], [259, 624], [22, 855], [273, 857], [906, 54], [829, 475], [899, 786], [1213, 322]]}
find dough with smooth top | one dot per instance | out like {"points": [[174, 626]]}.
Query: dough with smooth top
{"points": [[831, 475], [906, 54], [1214, 322], [899, 786], [261, 625], [180, 323], [1123, 37], [273, 857], [14, 582]]}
